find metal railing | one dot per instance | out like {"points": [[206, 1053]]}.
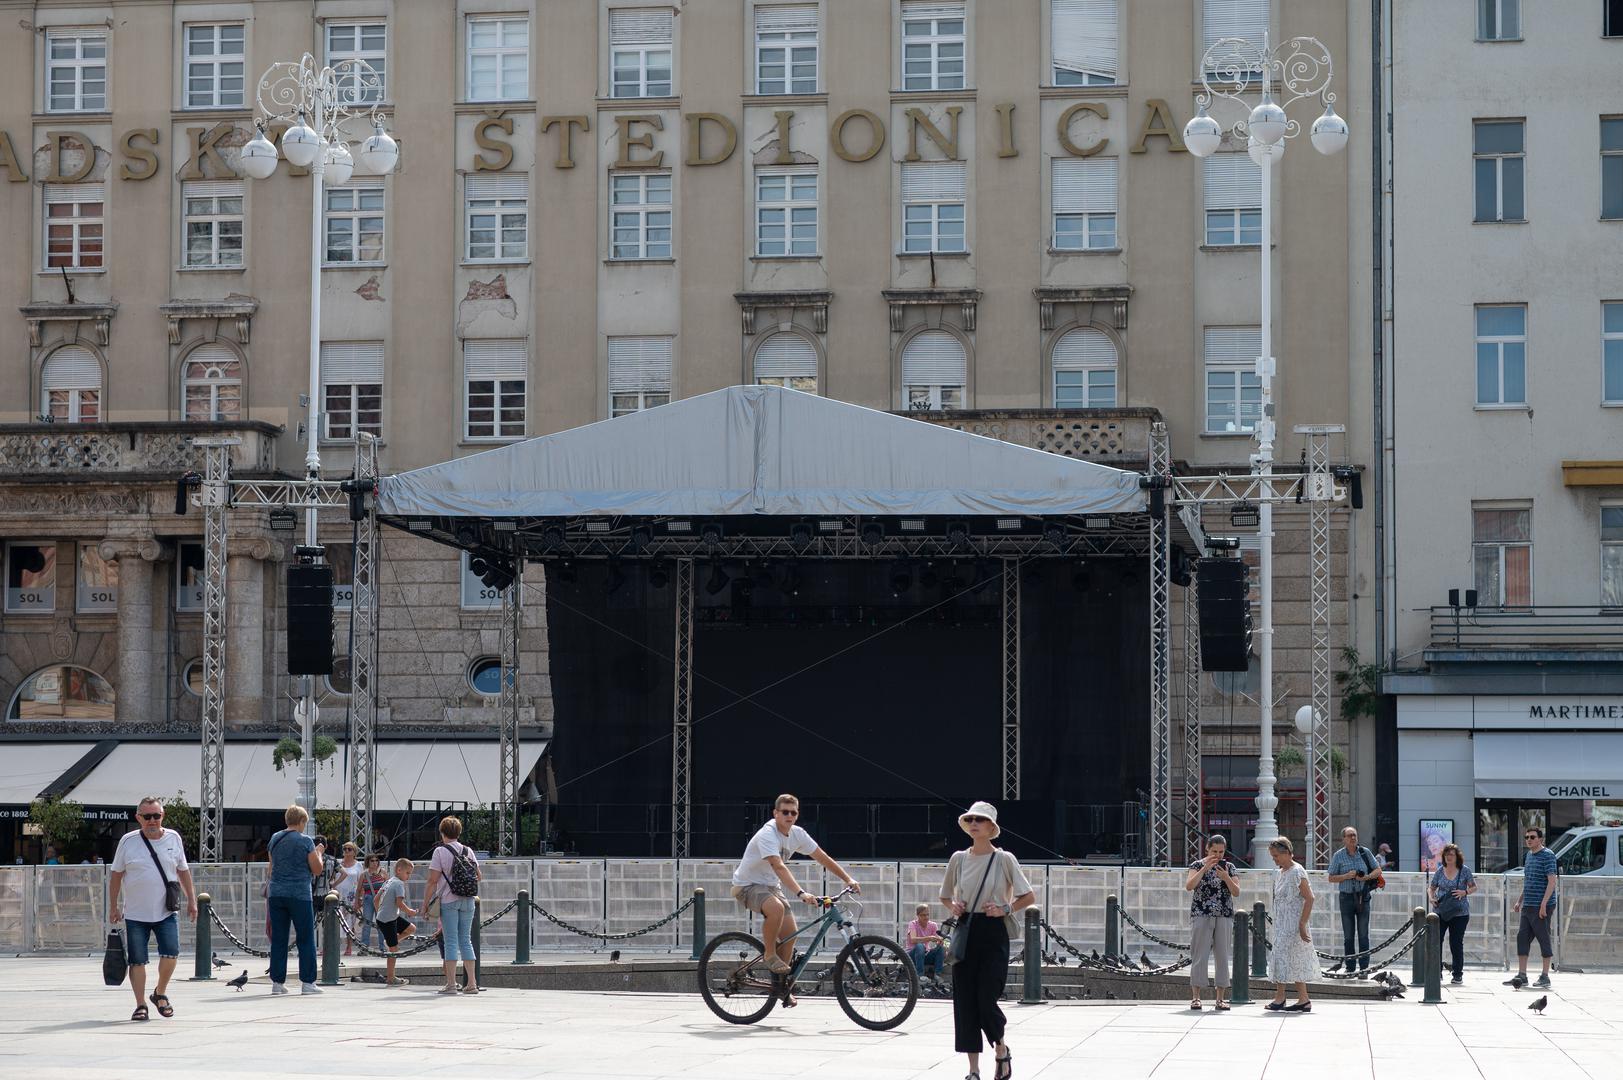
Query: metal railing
{"points": [[1526, 628]]}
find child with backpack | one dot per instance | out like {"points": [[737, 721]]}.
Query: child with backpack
{"points": [[453, 883], [391, 902]]}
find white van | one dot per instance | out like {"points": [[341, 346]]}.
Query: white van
{"points": [[1590, 851]]}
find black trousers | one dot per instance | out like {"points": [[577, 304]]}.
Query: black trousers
{"points": [[977, 983], [1455, 929], [1532, 927]]}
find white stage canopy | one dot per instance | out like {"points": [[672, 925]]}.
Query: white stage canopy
{"points": [[760, 450]]}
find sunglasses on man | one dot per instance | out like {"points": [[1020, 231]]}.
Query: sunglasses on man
{"points": [[972, 819], [151, 817]]}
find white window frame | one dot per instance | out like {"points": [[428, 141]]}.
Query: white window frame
{"points": [[1497, 10], [1499, 159], [639, 372], [934, 391], [82, 70], [782, 39], [1613, 340], [505, 201], [86, 225], [490, 370], [361, 221], [1229, 361], [472, 595], [349, 84], [635, 224], [1084, 193], [94, 599], [1498, 342], [210, 357], [1081, 50], [352, 377], [80, 396], [793, 367], [213, 66], [1220, 19], [217, 221], [508, 59], [639, 35], [934, 194], [29, 602], [1092, 362], [1232, 194], [1611, 551], [189, 598], [1613, 156], [935, 13], [1501, 547], [795, 210]]}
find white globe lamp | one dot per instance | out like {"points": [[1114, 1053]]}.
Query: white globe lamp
{"points": [[1304, 719], [379, 153], [301, 144], [259, 156], [1329, 132], [1268, 122], [339, 165], [1263, 154], [1202, 135]]}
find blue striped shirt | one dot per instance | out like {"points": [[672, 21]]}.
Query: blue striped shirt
{"points": [[1539, 868]]}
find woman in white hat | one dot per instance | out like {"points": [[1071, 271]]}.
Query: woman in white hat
{"points": [[983, 888]]}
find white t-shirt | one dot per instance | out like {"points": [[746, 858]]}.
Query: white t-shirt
{"points": [[753, 869], [142, 893], [345, 881]]}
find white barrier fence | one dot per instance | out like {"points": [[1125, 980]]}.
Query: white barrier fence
{"points": [[47, 909]]}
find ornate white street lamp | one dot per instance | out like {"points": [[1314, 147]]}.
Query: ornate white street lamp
{"points": [[1235, 69], [319, 104]]}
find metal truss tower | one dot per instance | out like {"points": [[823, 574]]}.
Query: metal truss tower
{"points": [[1193, 821], [1011, 679], [215, 499], [682, 712], [1160, 853], [512, 627], [363, 625]]}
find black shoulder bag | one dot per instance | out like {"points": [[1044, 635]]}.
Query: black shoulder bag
{"points": [[960, 937], [173, 894]]}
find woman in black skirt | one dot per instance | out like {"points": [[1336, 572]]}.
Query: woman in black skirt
{"points": [[983, 889]]}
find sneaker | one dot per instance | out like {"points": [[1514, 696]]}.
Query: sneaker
{"points": [[310, 988], [1458, 980], [1542, 983], [398, 981], [1517, 981], [278, 988]]}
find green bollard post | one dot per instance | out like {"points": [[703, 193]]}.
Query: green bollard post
{"points": [[1434, 961], [203, 949], [1417, 976], [330, 944], [700, 940], [1112, 926], [1259, 941], [478, 953], [1033, 994], [521, 950], [1240, 992]]}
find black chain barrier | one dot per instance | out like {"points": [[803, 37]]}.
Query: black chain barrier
{"points": [[550, 917], [1136, 925], [1117, 968], [348, 929], [214, 917], [1388, 962], [1343, 959]]}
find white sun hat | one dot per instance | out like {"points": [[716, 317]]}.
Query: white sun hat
{"points": [[980, 809]]}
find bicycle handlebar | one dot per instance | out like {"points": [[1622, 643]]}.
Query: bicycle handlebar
{"points": [[830, 901]]}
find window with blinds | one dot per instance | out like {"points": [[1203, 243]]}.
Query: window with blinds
{"points": [[1233, 387], [352, 388], [70, 386], [1247, 19], [211, 384], [787, 359], [1082, 36], [935, 370], [498, 218], [1233, 198], [1084, 197], [786, 48], [74, 217], [213, 223], [933, 45], [639, 373], [1084, 363], [75, 70], [496, 374], [933, 207], [640, 52]]}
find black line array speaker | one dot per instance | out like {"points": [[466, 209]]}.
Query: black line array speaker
{"points": [[1225, 615], [309, 620]]}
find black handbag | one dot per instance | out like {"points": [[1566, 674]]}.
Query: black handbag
{"points": [[114, 963], [959, 947], [173, 894]]}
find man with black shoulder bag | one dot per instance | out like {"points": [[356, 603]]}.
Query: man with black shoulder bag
{"points": [[1352, 870], [149, 884]]}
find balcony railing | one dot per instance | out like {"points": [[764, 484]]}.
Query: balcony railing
{"points": [[1526, 629], [1113, 436], [154, 448]]}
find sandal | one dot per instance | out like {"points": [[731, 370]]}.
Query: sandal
{"points": [[1221, 1006], [140, 1013], [162, 1002], [1194, 1004], [1005, 1067]]}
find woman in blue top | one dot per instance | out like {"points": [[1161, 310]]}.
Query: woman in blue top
{"points": [[295, 860], [1451, 888]]}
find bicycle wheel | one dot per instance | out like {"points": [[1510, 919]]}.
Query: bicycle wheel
{"points": [[875, 982], [734, 981]]}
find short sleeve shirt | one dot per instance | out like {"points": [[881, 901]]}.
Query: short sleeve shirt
{"points": [[753, 869], [1448, 905], [389, 899], [1539, 868], [142, 894], [345, 881], [1345, 862], [290, 864], [1211, 896], [441, 860]]}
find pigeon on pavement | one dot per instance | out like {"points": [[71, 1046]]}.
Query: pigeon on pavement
{"points": [[1144, 959], [614, 956], [1394, 988], [1538, 1006], [217, 961], [240, 981]]}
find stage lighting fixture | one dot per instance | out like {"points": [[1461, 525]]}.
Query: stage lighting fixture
{"points": [[641, 537], [1054, 533], [717, 580], [466, 536], [357, 490], [552, 538], [901, 578], [1353, 477], [1096, 523], [188, 480], [1245, 516], [598, 528], [958, 535], [505, 525], [912, 525], [679, 526], [1008, 524], [1180, 569], [873, 534], [617, 577], [710, 536], [282, 520], [478, 566], [659, 575], [830, 525], [800, 536], [420, 524]]}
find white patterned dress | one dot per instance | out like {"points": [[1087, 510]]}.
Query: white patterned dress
{"points": [[1292, 959]]}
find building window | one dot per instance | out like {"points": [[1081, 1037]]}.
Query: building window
{"points": [[70, 386], [478, 596], [73, 226], [935, 370], [213, 223], [189, 576], [496, 374], [498, 59], [96, 588], [1611, 349], [639, 373], [1084, 362], [786, 213], [214, 66], [1612, 18], [1611, 168], [1082, 36], [485, 673], [1501, 354], [1233, 184], [640, 215], [788, 360], [1084, 204], [933, 44], [341, 557], [352, 388], [786, 49], [1502, 552], [211, 384], [1233, 387], [359, 41], [355, 222], [1498, 20], [1611, 556], [1247, 19], [640, 44], [1498, 159], [63, 692], [30, 577], [933, 201], [498, 218], [75, 71]]}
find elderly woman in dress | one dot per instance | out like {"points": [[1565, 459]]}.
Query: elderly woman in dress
{"points": [[1292, 959]]}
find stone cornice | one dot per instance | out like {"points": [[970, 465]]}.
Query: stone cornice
{"points": [[98, 315], [814, 300]]}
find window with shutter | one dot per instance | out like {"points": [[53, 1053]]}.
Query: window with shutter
{"points": [[498, 218], [1084, 196], [639, 373], [787, 359], [70, 386], [211, 384], [1082, 35], [1244, 19], [1084, 362], [1233, 198], [352, 388], [933, 207], [935, 370], [786, 48], [640, 52], [1233, 387], [496, 374]]}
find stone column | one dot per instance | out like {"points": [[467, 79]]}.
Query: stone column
{"points": [[139, 652], [245, 642]]}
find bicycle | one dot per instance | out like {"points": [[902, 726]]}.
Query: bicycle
{"points": [[874, 979]]}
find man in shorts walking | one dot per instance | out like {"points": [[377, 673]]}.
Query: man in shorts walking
{"points": [[146, 860], [762, 883], [1537, 904]]}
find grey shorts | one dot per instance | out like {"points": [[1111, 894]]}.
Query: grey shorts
{"points": [[753, 896]]}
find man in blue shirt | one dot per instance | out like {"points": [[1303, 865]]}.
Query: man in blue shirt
{"points": [[1537, 904], [1348, 866]]}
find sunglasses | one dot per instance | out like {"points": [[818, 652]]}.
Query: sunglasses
{"points": [[1532, 836], [790, 813], [971, 819], [151, 817]]}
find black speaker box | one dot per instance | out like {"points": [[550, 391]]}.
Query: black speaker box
{"points": [[1225, 615], [309, 620]]}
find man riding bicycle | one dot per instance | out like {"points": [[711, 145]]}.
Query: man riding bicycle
{"points": [[762, 883]]}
